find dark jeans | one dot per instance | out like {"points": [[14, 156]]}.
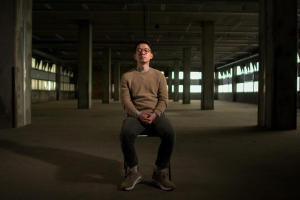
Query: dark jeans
{"points": [[161, 127]]}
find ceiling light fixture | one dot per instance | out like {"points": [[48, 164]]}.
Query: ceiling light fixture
{"points": [[107, 37], [59, 37], [188, 27], [181, 38], [236, 26], [200, 7], [219, 39], [35, 37], [48, 6], [85, 6]]}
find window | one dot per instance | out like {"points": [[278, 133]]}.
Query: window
{"points": [[196, 75], [195, 88]]}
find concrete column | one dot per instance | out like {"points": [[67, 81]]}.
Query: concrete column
{"points": [[15, 63], [277, 106], [170, 83], [234, 82], [176, 80], [207, 61], [216, 85], [187, 53], [106, 75], [58, 81], [85, 65], [298, 95], [117, 82]]}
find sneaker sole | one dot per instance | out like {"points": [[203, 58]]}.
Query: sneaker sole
{"points": [[137, 181], [162, 187]]}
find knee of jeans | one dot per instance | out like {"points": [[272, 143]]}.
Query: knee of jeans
{"points": [[126, 135], [169, 134]]}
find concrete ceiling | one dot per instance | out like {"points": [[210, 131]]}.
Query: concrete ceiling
{"points": [[168, 25]]}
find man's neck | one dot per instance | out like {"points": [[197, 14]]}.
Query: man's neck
{"points": [[143, 67]]}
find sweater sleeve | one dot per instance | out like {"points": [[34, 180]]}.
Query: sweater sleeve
{"points": [[162, 96], [125, 97]]}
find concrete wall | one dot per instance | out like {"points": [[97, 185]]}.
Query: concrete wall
{"points": [[39, 96]]}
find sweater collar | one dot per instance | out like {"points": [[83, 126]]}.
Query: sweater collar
{"points": [[143, 71]]}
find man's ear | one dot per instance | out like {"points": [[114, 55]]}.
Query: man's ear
{"points": [[134, 56], [151, 56]]}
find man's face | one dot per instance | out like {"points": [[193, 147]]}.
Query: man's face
{"points": [[143, 53]]}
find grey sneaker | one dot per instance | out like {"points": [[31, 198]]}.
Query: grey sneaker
{"points": [[131, 179], [162, 180]]}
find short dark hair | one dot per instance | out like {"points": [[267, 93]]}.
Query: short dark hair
{"points": [[143, 42]]}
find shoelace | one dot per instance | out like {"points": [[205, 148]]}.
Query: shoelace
{"points": [[164, 175], [128, 174]]}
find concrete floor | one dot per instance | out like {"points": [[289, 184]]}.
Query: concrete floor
{"points": [[68, 153]]}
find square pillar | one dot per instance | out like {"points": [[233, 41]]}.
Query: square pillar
{"points": [[85, 65], [170, 83], [106, 75], [176, 80], [15, 64], [117, 82], [58, 81], [277, 104], [187, 53], [208, 66]]}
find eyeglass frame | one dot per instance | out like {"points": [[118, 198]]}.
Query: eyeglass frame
{"points": [[140, 50]]}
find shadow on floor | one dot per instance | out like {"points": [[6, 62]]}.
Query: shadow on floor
{"points": [[72, 166]]}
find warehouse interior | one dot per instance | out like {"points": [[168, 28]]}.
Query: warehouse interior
{"points": [[237, 133]]}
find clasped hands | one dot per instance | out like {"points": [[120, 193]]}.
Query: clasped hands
{"points": [[147, 118]]}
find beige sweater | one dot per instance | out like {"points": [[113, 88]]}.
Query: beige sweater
{"points": [[144, 91]]}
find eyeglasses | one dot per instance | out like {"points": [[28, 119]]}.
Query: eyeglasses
{"points": [[143, 50]]}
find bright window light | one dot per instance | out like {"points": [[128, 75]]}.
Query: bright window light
{"points": [[220, 75], [229, 87], [41, 65], [255, 85], [180, 88], [53, 68], [238, 71], [225, 88], [251, 68], [33, 63], [196, 75], [180, 75], [245, 70], [248, 87], [240, 87], [220, 88], [195, 88]]}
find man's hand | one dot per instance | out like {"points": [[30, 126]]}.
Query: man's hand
{"points": [[147, 118]]}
